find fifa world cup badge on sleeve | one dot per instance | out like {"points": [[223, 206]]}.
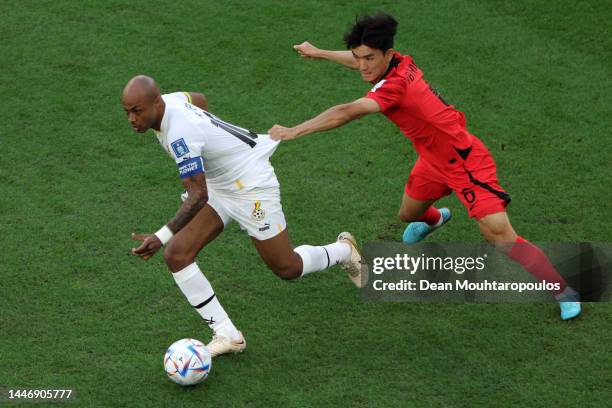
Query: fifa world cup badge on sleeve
{"points": [[180, 147]]}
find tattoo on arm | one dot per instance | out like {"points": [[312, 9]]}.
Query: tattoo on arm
{"points": [[191, 206], [196, 199]]}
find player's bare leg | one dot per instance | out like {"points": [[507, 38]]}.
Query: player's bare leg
{"points": [[496, 229], [278, 253], [412, 209], [423, 217], [185, 245], [288, 262], [180, 255]]}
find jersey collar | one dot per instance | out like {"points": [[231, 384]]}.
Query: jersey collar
{"points": [[395, 61], [163, 128]]}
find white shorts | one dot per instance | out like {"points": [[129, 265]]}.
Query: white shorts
{"points": [[259, 211]]}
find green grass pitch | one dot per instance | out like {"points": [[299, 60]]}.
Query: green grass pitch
{"points": [[76, 311]]}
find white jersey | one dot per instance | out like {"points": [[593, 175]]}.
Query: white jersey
{"points": [[233, 158]]}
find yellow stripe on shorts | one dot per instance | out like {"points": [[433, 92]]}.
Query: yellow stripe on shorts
{"points": [[239, 184]]}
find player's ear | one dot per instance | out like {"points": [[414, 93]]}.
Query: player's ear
{"points": [[389, 54]]}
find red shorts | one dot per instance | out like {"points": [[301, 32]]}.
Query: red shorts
{"points": [[473, 179]]}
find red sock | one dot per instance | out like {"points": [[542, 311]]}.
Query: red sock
{"points": [[431, 216], [535, 262]]}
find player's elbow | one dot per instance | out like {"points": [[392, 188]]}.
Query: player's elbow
{"points": [[199, 196], [352, 111], [347, 113], [203, 199]]}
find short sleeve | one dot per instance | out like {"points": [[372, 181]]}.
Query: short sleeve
{"points": [[186, 152], [179, 96], [387, 93]]}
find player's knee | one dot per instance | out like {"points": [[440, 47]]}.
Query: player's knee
{"points": [[176, 258], [287, 266], [500, 232]]}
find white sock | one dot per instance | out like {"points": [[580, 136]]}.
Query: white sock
{"points": [[200, 295], [318, 258]]}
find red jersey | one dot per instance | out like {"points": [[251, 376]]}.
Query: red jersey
{"points": [[436, 128]]}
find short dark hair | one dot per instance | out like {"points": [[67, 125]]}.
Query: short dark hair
{"points": [[374, 31]]}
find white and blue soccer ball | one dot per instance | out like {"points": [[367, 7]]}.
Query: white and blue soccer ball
{"points": [[187, 362]]}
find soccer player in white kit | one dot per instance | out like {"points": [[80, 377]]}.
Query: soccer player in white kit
{"points": [[227, 175]]}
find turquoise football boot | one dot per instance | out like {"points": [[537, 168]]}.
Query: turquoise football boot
{"points": [[569, 302], [417, 231], [569, 310]]}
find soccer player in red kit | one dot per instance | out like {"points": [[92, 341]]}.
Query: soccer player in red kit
{"points": [[451, 159]]}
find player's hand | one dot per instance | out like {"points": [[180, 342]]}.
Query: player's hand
{"points": [[150, 245], [278, 132], [307, 50]]}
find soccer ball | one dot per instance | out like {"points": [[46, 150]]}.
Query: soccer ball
{"points": [[187, 362]]}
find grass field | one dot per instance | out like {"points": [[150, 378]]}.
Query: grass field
{"points": [[76, 311]]}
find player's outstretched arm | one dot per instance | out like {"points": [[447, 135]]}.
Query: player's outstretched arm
{"points": [[196, 199], [332, 118], [309, 51]]}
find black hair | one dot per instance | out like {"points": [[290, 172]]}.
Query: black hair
{"points": [[374, 31]]}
